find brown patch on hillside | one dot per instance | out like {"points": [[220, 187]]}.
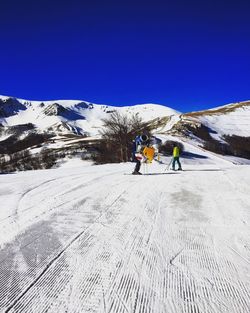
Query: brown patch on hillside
{"points": [[156, 123]]}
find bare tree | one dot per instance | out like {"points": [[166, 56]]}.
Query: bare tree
{"points": [[118, 133]]}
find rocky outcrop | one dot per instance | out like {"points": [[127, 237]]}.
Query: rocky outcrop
{"points": [[56, 109], [10, 106]]}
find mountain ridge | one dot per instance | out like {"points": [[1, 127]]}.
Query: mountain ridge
{"points": [[73, 124]]}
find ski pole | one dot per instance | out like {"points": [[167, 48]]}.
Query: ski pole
{"points": [[167, 168]]}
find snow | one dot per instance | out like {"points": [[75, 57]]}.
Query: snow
{"points": [[2, 138], [149, 111], [87, 238], [86, 117], [233, 123], [230, 119], [90, 119]]}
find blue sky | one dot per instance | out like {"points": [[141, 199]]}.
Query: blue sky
{"points": [[188, 55]]}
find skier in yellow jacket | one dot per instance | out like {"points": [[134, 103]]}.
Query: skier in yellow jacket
{"points": [[176, 156]]}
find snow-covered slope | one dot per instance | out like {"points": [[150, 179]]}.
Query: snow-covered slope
{"points": [[231, 119], [76, 115], [224, 130], [91, 239]]}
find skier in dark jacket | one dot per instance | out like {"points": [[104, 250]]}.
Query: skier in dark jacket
{"points": [[140, 143]]}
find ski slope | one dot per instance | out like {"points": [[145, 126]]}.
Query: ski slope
{"points": [[88, 238]]}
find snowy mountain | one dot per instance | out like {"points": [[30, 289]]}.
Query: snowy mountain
{"points": [[74, 125], [82, 117], [79, 117]]}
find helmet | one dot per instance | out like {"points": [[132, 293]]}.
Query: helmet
{"points": [[144, 137]]}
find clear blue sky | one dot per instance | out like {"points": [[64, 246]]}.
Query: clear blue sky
{"points": [[189, 55]]}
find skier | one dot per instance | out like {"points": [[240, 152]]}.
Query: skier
{"points": [[140, 143], [176, 156]]}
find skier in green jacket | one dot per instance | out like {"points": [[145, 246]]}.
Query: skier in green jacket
{"points": [[176, 156]]}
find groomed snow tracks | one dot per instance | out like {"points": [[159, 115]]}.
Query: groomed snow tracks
{"points": [[133, 244]]}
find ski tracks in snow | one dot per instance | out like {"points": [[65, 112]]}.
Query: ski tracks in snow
{"points": [[116, 243], [40, 244]]}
